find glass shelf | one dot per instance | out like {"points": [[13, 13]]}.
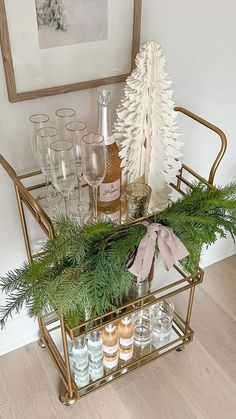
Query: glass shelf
{"points": [[180, 335]]}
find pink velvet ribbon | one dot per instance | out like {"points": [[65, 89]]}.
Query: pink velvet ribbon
{"points": [[170, 246]]}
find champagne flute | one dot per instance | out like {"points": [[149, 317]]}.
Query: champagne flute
{"points": [[94, 164], [45, 137], [63, 168], [63, 117], [76, 130], [37, 121]]}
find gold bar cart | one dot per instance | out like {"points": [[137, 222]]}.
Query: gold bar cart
{"points": [[173, 283]]}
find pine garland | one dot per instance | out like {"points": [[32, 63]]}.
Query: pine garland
{"points": [[82, 272]]}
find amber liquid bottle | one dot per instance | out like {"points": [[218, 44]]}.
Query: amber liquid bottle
{"points": [[110, 190], [126, 339], [110, 347]]}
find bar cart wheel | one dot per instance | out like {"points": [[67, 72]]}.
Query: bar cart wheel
{"points": [[66, 400], [42, 343], [180, 349]]}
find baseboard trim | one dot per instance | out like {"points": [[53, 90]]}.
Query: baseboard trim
{"points": [[210, 261], [17, 345], [19, 331]]}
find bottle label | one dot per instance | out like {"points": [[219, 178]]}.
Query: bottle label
{"points": [[109, 364], [109, 140], [110, 350], [110, 191], [80, 363], [96, 373], [82, 380], [95, 353], [126, 342], [125, 356]]}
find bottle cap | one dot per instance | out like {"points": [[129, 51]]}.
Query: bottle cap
{"points": [[104, 96], [126, 320], [110, 328], [94, 336], [79, 343]]}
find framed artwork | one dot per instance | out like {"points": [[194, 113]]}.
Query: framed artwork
{"points": [[51, 47]]}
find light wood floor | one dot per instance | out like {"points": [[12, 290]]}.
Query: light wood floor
{"points": [[199, 382]]}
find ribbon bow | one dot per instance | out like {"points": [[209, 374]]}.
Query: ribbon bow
{"points": [[170, 247]]}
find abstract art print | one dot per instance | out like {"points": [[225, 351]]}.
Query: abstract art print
{"points": [[67, 22]]}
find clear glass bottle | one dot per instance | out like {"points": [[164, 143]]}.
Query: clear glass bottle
{"points": [[80, 354], [110, 190], [126, 339], [95, 347], [143, 327], [110, 347], [96, 370], [163, 313], [81, 376]]}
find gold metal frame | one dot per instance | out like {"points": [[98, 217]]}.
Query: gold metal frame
{"points": [[49, 322]]}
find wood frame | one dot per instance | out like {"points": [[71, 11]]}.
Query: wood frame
{"points": [[56, 90]]}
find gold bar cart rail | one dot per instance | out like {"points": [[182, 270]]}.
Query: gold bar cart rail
{"points": [[182, 332]]}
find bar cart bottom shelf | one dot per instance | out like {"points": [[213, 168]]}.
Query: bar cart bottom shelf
{"points": [[180, 336]]}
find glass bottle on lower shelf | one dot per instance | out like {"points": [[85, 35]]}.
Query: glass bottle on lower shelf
{"points": [[143, 327], [110, 347], [81, 376], [95, 354], [95, 347], [80, 354], [126, 339], [163, 313], [96, 370]]}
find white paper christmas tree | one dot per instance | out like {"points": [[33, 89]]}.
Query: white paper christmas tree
{"points": [[146, 128]]}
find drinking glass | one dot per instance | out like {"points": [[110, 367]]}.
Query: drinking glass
{"points": [[162, 319], [45, 137], [94, 164], [63, 168], [143, 322], [37, 121], [63, 117], [75, 131]]}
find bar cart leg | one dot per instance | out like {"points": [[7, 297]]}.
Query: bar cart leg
{"points": [[190, 306], [70, 397], [41, 340]]}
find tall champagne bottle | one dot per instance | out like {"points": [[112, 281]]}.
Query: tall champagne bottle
{"points": [[110, 190]]}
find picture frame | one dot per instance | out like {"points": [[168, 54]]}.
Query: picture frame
{"points": [[14, 53]]}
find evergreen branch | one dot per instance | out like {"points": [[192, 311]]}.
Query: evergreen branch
{"points": [[82, 272]]}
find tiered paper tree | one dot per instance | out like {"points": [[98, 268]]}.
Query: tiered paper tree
{"points": [[146, 128]]}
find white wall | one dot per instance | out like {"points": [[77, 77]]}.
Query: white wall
{"points": [[198, 40]]}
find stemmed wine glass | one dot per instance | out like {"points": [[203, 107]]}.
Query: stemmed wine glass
{"points": [[37, 121], [76, 130], [94, 164], [63, 168], [45, 137], [63, 117]]}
